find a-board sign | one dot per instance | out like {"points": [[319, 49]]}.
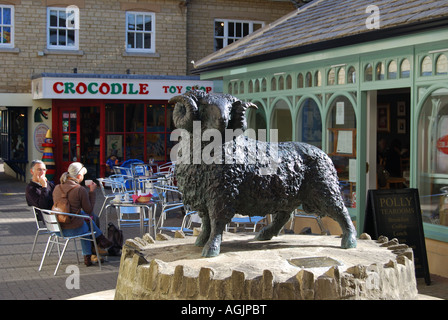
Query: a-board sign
{"points": [[396, 213]]}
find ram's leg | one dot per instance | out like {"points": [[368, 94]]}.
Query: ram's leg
{"points": [[273, 229], [340, 215], [203, 237], [213, 245]]}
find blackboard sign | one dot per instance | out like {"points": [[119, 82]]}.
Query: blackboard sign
{"points": [[396, 213]]}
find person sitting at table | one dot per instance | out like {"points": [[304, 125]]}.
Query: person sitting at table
{"points": [[82, 202], [39, 192]]}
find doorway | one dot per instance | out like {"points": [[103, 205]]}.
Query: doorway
{"points": [[90, 140], [80, 128], [389, 138]]}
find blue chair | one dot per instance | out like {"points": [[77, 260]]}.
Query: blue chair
{"points": [[248, 222]]}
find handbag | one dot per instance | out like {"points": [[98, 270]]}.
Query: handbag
{"points": [[62, 205]]}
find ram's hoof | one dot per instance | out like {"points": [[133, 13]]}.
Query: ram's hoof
{"points": [[348, 241], [208, 253], [263, 236]]}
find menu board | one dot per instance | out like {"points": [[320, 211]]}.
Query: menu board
{"points": [[396, 213]]}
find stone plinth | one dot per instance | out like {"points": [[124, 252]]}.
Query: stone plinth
{"points": [[292, 267]]}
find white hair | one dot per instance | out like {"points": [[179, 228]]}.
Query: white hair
{"points": [[73, 170]]}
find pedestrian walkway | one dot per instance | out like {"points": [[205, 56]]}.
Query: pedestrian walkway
{"points": [[20, 280]]}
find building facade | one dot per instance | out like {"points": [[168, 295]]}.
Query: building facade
{"points": [[347, 77], [100, 73]]}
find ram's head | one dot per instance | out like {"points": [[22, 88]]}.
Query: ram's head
{"points": [[215, 111]]}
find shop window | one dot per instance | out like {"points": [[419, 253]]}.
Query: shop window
{"points": [[309, 123], [138, 131], [341, 126], [331, 77], [318, 79], [61, 32], [341, 76], [379, 71], [368, 71], [392, 70], [6, 26], [433, 158], [405, 69], [426, 66], [442, 65], [351, 75], [300, 81], [282, 121], [140, 32]]}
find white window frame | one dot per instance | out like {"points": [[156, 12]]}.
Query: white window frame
{"points": [[152, 32], [2, 25], [75, 29], [226, 37]]}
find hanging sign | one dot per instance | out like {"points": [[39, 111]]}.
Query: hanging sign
{"points": [[396, 213], [111, 88]]}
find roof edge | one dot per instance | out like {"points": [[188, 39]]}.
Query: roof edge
{"points": [[333, 43]]}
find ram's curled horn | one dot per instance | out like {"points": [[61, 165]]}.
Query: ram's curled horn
{"points": [[184, 112], [238, 115]]}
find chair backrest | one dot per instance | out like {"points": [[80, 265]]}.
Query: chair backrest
{"points": [[168, 194], [50, 220], [37, 216]]}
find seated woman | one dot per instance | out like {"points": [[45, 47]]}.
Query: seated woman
{"points": [[81, 202]]}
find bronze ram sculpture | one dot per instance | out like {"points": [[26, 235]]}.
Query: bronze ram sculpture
{"points": [[301, 174]]}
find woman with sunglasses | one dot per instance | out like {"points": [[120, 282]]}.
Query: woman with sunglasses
{"points": [[82, 202]]}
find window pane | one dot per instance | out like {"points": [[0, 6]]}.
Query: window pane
{"points": [[114, 117], [219, 28], [405, 69], [239, 32], [392, 70], [71, 37], [62, 37], [368, 73], [155, 146], [147, 41], [6, 35], [231, 29], [6, 16], [139, 40], [426, 66], [148, 24], [380, 71], [134, 143], [53, 18], [219, 44], [442, 65], [131, 21], [309, 124], [245, 29], [62, 19], [331, 77], [131, 40], [156, 118], [140, 22], [134, 117]]}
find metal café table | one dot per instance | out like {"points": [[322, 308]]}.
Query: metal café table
{"points": [[149, 207]]}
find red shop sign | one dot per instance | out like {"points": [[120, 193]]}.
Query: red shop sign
{"points": [[442, 144]]}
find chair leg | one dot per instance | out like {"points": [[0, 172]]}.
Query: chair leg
{"points": [[34, 244], [45, 252], [62, 255]]}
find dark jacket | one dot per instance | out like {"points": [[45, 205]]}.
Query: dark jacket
{"points": [[79, 198], [38, 196]]}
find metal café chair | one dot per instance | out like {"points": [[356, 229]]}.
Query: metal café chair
{"points": [[247, 222], [171, 202], [117, 184], [58, 238]]}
